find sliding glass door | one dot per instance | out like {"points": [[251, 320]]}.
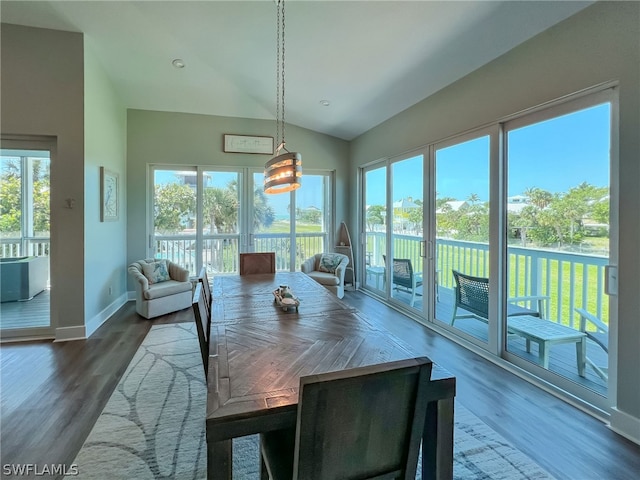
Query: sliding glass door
{"points": [[393, 233], [25, 240], [559, 232], [221, 220], [520, 252], [205, 217], [405, 220], [375, 228], [460, 235]]}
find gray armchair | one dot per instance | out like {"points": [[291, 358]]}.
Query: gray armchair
{"points": [[332, 281], [155, 299]]}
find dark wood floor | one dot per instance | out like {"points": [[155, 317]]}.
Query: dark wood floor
{"points": [[52, 394]]}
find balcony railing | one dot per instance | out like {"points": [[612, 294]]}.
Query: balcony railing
{"points": [[220, 253], [25, 246], [569, 279]]}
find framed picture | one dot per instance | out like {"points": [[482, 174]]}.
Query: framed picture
{"points": [[248, 144], [109, 195]]}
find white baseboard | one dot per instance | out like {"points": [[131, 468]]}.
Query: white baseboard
{"points": [[65, 334], [626, 425], [95, 323], [132, 295]]}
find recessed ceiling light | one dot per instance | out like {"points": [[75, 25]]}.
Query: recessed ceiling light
{"points": [[178, 63], [325, 103]]}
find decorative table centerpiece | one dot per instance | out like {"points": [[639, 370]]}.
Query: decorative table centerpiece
{"points": [[285, 298]]}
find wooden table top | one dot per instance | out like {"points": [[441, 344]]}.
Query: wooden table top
{"points": [[258, 352]]}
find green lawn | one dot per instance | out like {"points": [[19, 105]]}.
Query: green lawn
{"points": [[282, 226]]}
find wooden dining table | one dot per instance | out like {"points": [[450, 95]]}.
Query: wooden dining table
{"points": [[258, 352]]}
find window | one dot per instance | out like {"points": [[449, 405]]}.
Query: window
{"points": [[207, 216]]}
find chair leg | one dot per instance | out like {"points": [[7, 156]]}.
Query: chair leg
{"points": [[264, 474], [453, 317]]}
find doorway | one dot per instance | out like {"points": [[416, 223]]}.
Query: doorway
{"points": [[25, 239]]}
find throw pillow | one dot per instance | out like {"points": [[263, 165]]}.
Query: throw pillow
{"points": [[329, 262], [156, 272]]}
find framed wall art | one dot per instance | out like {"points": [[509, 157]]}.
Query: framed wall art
{"points": [[109, 195], [248, 144]]}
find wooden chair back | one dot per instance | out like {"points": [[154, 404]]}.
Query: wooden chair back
{"points": [[365, 422], [254, 263], [203, 325], [206, 289]]}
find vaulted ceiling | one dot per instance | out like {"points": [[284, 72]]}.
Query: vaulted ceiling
{"points": [[369, 59]]}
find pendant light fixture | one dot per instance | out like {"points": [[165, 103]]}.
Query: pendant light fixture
{"points": [[283, 173]]}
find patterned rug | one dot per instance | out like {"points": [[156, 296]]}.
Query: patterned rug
{"points": [[153, 424]]}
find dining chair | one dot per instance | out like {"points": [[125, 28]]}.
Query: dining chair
{"points": [[405, 278], [363, 423], [260, 262], [600, 337], [203, 325], [471, 294], [206, 289]]}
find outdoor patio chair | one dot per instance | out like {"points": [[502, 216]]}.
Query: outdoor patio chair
{"points": [[404, 278], [363, 422], [600, 336], [472, 295]]}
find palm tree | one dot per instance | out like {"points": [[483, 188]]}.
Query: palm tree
{"points": [[538, 197], [263, 214], [473, 198]]}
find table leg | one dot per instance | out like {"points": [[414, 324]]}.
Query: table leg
{"points": [[544, 354], [581, 355], [437, 441], [219, 460]]}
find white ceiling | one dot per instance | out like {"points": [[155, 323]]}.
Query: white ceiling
{"points": [[370, 59]]}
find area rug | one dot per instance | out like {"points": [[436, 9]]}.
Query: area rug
{"points": [[153, 425]]}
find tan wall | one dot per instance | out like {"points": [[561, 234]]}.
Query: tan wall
{"points": [[42, 94], [187, 139], [599, 44]]}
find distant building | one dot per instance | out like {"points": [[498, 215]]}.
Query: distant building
{"points": [[453, 205]]}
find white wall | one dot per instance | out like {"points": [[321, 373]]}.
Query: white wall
{"points": [[42, 94], [105, 123], [187, 139], [599, 44]]}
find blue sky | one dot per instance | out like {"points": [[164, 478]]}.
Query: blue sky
{"points": [[310, 194], [554, 155]]}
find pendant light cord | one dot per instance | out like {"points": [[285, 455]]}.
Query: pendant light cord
{"points": [[280, 61]]}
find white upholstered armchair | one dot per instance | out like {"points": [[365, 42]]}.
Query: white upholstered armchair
{"points": [[161, 287], [328, 270]]}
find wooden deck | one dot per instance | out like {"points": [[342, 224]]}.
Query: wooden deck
{"points": [[562, 357], [28, 314]]}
